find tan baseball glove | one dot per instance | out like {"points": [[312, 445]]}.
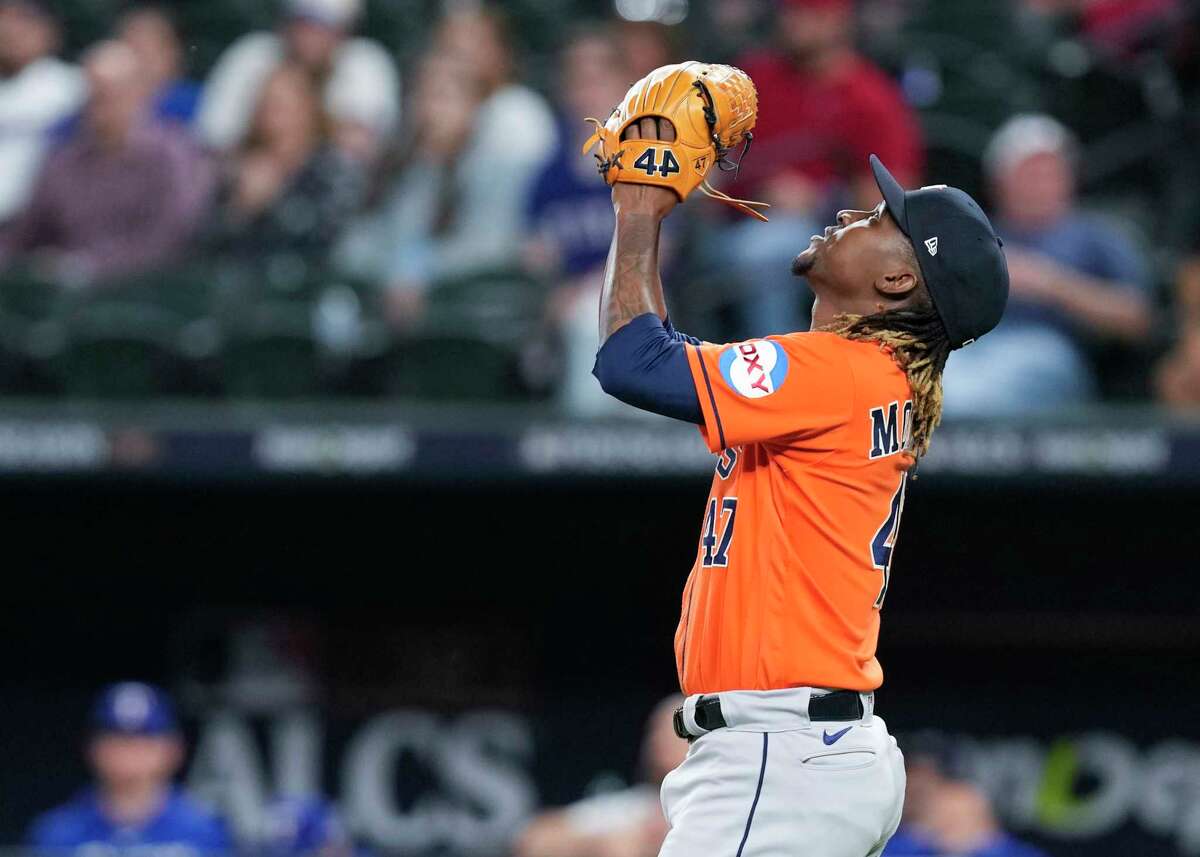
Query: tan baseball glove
{"points": [[712, 109]]}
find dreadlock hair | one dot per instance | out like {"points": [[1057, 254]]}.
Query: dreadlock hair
{"points": [[916, 339]]}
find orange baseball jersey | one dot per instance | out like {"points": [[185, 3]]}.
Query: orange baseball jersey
{"points": [[796, 543]]}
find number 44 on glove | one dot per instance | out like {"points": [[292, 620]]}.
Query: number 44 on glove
{"points": [[712, 108]]}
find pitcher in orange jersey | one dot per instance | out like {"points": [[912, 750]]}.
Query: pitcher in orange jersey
{"points": [[816, 433]]}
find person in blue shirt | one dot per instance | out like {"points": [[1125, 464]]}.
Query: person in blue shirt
{"points": [[569, 210], [152, 31], [1075, 282], [134, 749], [945, 813], [305, 826], [570, 215]]}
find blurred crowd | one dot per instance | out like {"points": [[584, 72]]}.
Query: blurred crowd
{"points": [[135, 750], [455, 217]]}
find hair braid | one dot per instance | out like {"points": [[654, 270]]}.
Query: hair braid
{"points": [[916, 339]]}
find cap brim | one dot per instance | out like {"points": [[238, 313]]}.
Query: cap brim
{"points": [[893, 194]]}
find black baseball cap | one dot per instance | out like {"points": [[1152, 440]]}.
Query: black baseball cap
{"points": [[960, 255]]}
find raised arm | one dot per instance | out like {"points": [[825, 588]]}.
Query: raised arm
{"points": [[642, 363], [632, 284]]}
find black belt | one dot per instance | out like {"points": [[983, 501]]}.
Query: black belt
{"points": [[835, 706]]}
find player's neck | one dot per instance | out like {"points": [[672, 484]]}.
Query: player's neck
{"points": [[828, 308], [134, 803]]}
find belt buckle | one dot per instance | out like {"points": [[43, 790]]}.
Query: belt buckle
{"points": [[678, 724]]}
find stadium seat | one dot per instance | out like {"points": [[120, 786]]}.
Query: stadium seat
{"points": [[31, 330], [449, 367], [27, 295], [296, 336], [269, 351], [471, 343], [121, 349], [145, 335]]}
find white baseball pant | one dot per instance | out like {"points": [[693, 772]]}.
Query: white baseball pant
{"points": [[772, 783]]}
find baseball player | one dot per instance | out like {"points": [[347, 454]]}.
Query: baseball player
{"points": [[815, 435]]}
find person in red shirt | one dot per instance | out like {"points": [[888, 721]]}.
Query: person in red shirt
{"points": [[816, 433], [820, 101]]}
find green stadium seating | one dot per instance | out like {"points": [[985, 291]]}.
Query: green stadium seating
{"points": [[121, 348], [296, 335], [471, 342], [30, 296], [269, 351]]}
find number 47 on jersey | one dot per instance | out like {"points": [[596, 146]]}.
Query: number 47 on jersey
{"points": [[721, 516]]}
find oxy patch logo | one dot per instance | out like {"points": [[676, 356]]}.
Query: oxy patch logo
{"points": [[755, 368]]}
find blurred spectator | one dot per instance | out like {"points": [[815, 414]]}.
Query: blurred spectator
{"points": [[513, 119], [645, 45], [304, 827], [153, 33], [1120, 27], [475, 140], [435, 219], [945, 814], [1178, 376], [570, 207], [1075, 281], [134, 750], [571, 215], [287, 191], [627, 823], [359, 82], [123, 195], [37, 91], [823, 109], [730, 28]]}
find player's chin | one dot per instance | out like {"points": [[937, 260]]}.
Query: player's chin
{"points": [[803, 262]]}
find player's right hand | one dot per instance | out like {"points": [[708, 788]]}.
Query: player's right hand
{"points": [[640, 198]]}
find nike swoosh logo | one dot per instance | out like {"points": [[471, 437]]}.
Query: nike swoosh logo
{"points": [[833, 739]]}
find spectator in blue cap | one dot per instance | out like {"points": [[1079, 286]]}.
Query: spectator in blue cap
{"points": [[134, 748]]}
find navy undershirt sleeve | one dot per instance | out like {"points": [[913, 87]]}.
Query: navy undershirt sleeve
{"points": [[645, 364]]}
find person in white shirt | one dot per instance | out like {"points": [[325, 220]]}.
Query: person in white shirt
{"points": [[360, 83], [453, 203], [479, 137], [625, 823], [512, 115], [37, 91]]}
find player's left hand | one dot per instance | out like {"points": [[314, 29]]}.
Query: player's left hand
{"points": [[675, 126], [640, 198]]}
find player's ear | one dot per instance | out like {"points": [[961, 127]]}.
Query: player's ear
{"points": [[896, 284]]}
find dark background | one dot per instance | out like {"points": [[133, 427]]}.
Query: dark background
{"points": [[1017, 608]]}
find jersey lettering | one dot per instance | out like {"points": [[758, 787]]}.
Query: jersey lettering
{"points": [[796, 538], [716, 547], [726, 462], [890, 433], [885, 540]]}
